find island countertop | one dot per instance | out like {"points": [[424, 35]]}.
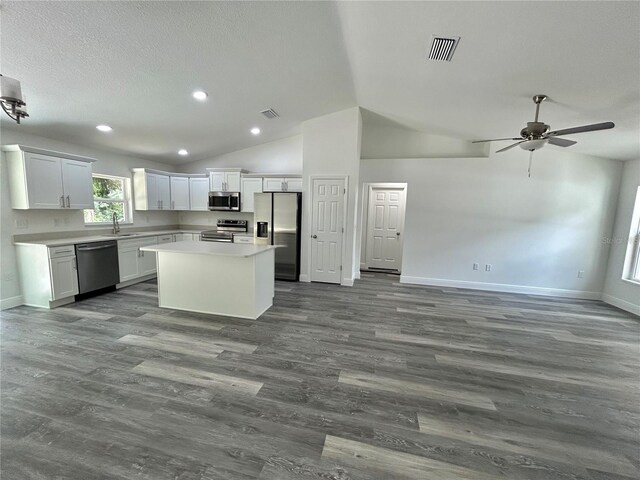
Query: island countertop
{"points": [[211, 248]]}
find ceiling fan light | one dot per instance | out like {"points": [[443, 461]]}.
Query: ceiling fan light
{"points": [[536, 144]]}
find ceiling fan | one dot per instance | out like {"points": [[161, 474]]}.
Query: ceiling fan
{"points": [[536, 134]]}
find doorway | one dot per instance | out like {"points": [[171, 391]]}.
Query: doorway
{"points": [[384, 232], [327, 229]]}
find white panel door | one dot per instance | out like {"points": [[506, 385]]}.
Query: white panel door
{"points": [[327, 229], [179, 193], [164, 192], [77, 184], [44, 181], [199, 193], [385, 222]]}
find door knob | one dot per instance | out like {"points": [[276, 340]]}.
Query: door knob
{"points": [[314, 236]]}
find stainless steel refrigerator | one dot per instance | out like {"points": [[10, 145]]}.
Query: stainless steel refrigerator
{"points": [[277, 221]]}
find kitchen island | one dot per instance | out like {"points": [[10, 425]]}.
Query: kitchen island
{"points": [[228, 279]]}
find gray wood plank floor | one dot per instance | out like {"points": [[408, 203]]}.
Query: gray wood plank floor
{"points": [[378, 381]]}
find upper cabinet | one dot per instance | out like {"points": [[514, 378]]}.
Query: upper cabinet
{"points": [[199, 193], [179, 193], [45, 179], [157, 190], [151, 190], [282, 184], [225, 179], [250, 185]]}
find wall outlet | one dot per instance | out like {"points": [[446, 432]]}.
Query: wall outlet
{"points": [[476, 266], [22, 223], [487, 267], [580, 273]]}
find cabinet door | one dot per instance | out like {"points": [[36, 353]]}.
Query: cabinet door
{"points": [[217, 181], [232, 180], [195, 237], [44, 181], [179, 193], [199, 193], [164, 192], [293, 184], [128, 263], [273, 185], [165, 239], [64, 277], [147, 260], [249, 187], [153, 201], [77, 184], [178, 237]]}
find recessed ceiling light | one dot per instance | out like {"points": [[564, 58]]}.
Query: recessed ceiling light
{"points": [[200, 95], [104, 128], [255, 131], [183, 152]]}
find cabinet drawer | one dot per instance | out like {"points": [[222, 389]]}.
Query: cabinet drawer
{"points": [[62, 251], [165, 239], [242, 239]]}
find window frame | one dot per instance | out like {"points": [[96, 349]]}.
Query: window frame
{"points": [[631, 272], [126, 201]]}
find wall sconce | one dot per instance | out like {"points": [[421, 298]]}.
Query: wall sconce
{"points": [[11, 99]]}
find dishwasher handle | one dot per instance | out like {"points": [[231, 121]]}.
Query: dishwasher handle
{"points": [[84, 249]]}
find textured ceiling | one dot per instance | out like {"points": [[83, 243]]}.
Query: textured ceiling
{"points": [[133, 65]]}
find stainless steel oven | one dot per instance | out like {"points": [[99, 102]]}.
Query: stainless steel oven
{"points": [[224, 231], [226, 201]]}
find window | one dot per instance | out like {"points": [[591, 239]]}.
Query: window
{"points": [[632, 260], [110, 195]]}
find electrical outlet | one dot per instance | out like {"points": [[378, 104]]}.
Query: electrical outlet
{"points": [[580, 273], [487, 267], [476, 266], [22, 223]]}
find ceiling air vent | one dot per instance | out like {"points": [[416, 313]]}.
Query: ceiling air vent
{"points": [[270, 113], [442, 48]]}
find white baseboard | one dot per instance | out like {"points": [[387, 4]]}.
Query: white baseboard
{"points": [[304, 278], [501, 287], [11, 302], [356, 275], [623, 304], [347, 282]]}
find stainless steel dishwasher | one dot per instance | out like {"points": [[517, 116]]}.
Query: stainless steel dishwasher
{"points": [[97, 265]]}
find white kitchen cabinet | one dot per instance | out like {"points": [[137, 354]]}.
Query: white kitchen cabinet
{"points": [[282, 184], [42, 179], [225, 180], [243, 239], [199, 193], [48, 276], [133, 262], [179, 193], [151, 190], [249, 187], [165, 238]]}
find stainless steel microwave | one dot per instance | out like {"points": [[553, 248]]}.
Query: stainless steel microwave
{"points": [[228, 201]]}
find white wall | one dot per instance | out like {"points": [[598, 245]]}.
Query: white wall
{"points": [[617, 291], [39, 221], [331, 146], [386, 141], [537, 232], [280, 156]]}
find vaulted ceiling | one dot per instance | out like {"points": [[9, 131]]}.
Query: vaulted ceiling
{"points": [[134, 65]]}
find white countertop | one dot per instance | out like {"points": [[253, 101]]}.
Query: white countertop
{"points": [[101, 238], [211, 248]]}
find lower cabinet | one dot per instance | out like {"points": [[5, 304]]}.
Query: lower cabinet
{"points": [[186, 237], [133, 262], [48, 275]]}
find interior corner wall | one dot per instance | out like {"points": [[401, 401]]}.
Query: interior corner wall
{"points": [[38, 221], [618, 292], [331, 146], [536, 233]]}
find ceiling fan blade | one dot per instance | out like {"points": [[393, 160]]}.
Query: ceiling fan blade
{"points": [[561, 142], [584, 128], [510, 146], [496, 140]]}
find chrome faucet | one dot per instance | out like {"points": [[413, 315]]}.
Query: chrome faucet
{"points": [[116, 226]]}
